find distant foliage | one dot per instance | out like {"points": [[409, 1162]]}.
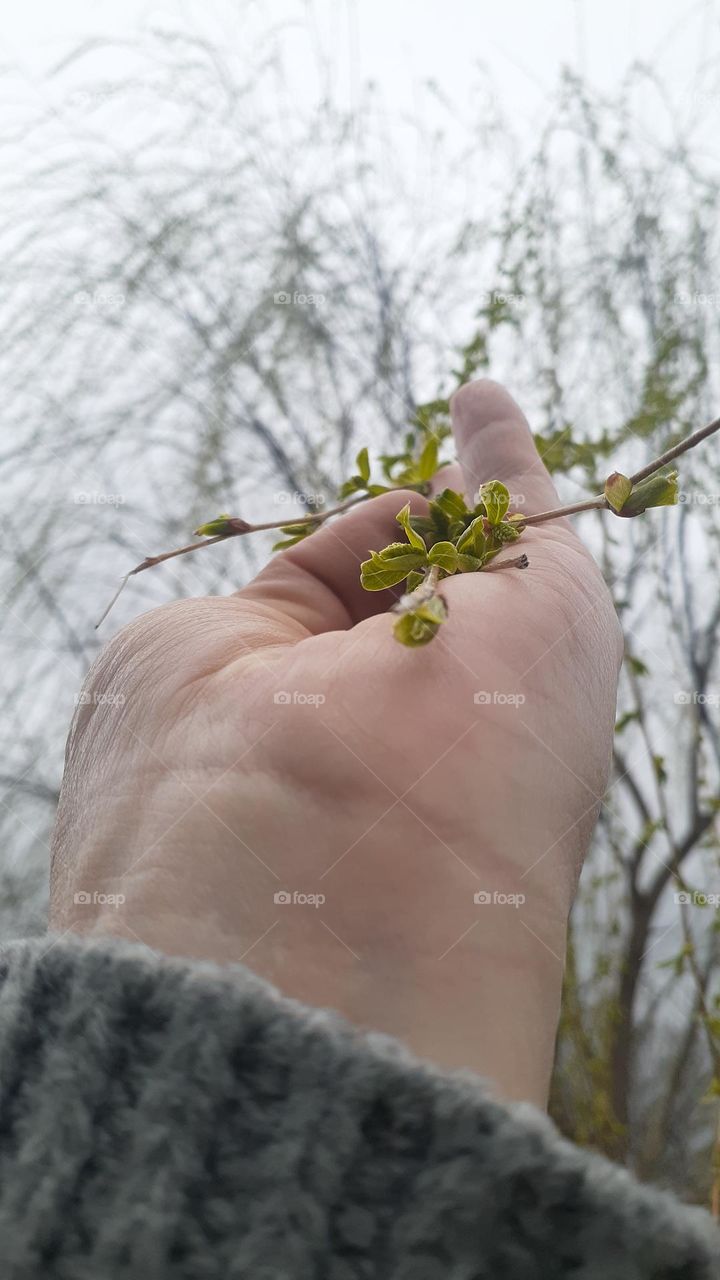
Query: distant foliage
{"points": [[213, 299]]}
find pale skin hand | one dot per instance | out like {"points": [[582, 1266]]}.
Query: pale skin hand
{"points": [[399, 797]]}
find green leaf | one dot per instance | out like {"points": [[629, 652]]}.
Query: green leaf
{"points": [[625, 720], [445, 555], [617, 490], [434, 416], [468, 564], [403, 519], [435, 525], [388, 567], [451, 503], [650, 829], [427, 463], [474, 540], [636, 665], [658, 763], [495, 497], [413, 580], [362, 462], [213, 528], [424, 525], [296, 533], [677, 962], [389, 461], [656, 491], [284, 543], [421, 625]]}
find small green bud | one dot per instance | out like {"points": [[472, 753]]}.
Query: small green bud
{"points": [[421, 625], [617, 490], [506, 531], [656, 491], [223, 525]]}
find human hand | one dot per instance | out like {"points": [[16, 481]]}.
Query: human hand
{"points": [[397, 783]]}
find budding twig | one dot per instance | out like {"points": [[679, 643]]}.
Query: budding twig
{"points": [[237, 527], [519, 562], [670, 454], [242, 527], [424, 591], [601, 503]]}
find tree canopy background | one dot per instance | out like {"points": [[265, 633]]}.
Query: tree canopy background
{"points": [[216, 295]]}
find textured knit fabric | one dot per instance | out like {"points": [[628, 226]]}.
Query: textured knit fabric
{"points": [[164, 1118]]}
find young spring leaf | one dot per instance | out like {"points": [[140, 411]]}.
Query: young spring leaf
{"points": [[636, 665], [445, 555], [427, 463], [296, 533], [214, 528], [420, 625], [362, 462], [432, 527], [474, 541], [452, 503], [656, 491], [468, 564], [617, 490], [403, 519], [495, 497], [284, 543], [413, 580], [391, 565]]}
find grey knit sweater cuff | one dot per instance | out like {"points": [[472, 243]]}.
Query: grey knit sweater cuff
{"points": [[164, 1118]]}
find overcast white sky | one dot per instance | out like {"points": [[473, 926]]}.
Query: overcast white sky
{"points": [[525, 42]]}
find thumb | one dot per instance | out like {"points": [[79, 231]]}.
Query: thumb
{"points": [[317, 582]]}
